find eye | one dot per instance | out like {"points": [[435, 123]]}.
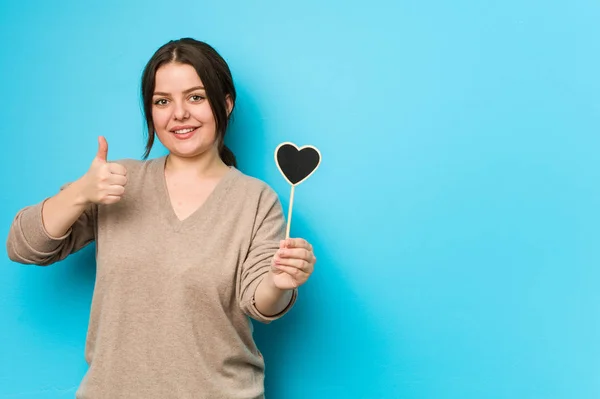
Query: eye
{"points": [[196, 98], [161, 101]]}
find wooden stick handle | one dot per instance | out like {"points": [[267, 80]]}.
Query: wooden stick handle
{"points": [[287, 233]]}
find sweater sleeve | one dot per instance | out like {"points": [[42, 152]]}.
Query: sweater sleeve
{"points": [[269, 229], [28, 241]]}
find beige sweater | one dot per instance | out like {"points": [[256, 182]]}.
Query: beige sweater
{"points": [[172, 299]]}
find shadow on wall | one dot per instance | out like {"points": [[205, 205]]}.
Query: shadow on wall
{"points": [[247, 138], [328, 343]]}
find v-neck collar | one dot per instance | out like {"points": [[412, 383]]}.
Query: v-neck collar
{"points": [[166, 207]]}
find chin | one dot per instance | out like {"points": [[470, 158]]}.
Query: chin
{"points": [[190, 148], [190, 152]]}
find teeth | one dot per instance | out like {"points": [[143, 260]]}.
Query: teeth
{"points": [[183, 131]]}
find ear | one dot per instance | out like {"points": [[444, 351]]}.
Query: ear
{"points": [[228, 104]]}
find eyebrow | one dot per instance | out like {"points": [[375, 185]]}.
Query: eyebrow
{"points": [[160, 93]]}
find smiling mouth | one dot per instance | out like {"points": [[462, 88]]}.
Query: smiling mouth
{"points": [[185, 131]]}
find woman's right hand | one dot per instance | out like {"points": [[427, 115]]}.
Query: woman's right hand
{"points": [[104, 182]]}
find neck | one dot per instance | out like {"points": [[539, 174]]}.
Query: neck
{"points": [[206, 164]]}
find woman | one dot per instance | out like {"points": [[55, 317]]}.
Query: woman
{"points": [[188, 247]]}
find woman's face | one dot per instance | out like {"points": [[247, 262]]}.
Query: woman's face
{"points": [[182, 116]]}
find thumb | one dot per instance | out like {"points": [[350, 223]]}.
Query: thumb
{"points": [[102, 149]]}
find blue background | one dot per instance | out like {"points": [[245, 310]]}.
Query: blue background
{"points": [[455, 215]]}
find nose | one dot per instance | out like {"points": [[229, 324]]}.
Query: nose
{"points": [[181, 112]]}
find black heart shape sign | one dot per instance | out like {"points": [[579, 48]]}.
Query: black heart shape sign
{"points": [[297, 164]]}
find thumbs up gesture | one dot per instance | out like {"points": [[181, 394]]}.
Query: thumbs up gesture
{"points": [[104, 182]]}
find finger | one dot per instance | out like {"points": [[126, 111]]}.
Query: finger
{"points": [[298, 253], [292, 271], [116, 190], [117, 180], [295, 263], [111, 199], [102, 149], [117, 169], [297, 243]]}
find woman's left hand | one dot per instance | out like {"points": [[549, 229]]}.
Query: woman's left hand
{"points": [[293, 263]]}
